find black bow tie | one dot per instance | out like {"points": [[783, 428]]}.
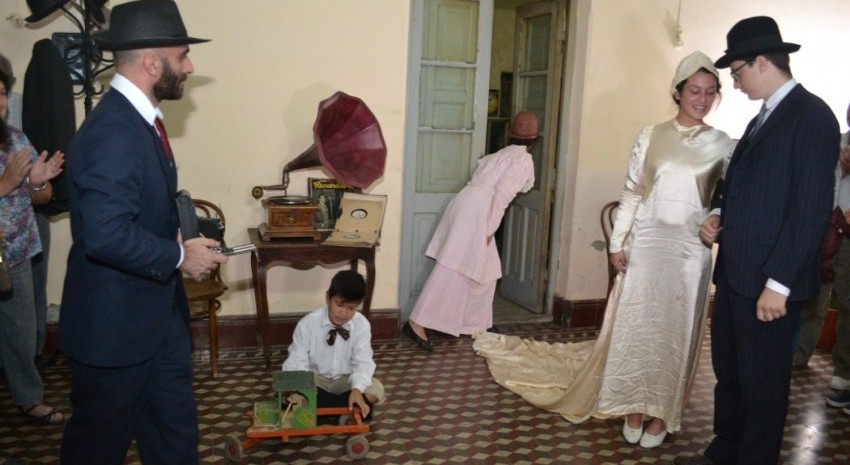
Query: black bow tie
{"points": [[343, 333]]}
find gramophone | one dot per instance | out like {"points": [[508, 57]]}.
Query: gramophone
{"points": [[347, 142]]}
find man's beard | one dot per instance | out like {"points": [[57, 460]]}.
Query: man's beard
{"points": [[168, 87]]}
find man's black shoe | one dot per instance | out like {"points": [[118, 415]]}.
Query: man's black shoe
{"points": [[698, 459]]}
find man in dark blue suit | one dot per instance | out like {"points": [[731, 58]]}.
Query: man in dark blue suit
{"points": [[774, 211], [124, 322]]}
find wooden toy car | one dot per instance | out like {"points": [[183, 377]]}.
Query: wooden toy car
{"points": [[299, 418]]}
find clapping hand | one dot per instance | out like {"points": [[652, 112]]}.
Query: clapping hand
{"points": [[45, 169], [17, 168]]}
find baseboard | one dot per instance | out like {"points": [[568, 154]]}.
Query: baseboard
{"points": [[240, 331], [588, 313], [578, 313]]}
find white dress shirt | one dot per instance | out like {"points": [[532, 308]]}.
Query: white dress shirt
{"points": [[310, 351]]}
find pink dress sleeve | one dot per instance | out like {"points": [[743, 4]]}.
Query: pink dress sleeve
{"points": [[514, 173]]}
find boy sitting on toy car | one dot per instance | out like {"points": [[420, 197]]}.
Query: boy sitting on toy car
{"points": [[335, 343]]}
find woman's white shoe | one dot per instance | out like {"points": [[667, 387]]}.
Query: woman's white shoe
{"points": [[632, 435], [649, 441]]}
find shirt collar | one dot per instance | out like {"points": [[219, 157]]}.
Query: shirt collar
{"points": [[780, 94], [326, 321], [136, 97]]}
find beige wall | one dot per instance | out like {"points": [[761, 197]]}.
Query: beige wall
{"points": [[251, 104], [250, 108], [623, 59]]}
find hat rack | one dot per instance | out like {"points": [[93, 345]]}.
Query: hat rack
{"points": [[84, 59], [679, 40]]}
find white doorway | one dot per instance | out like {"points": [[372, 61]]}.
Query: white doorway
{"points": [[447, 119]]}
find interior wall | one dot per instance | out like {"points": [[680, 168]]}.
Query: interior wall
{"points": [[622, 69], [251, 104], [250, 107], [504, 27]]}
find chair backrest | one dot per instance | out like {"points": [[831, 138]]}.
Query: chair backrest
{"points": [[606, 220], [209, 210], [206, 209]]}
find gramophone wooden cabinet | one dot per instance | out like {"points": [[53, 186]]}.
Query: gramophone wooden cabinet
{"points": [[301, 254], [289, 221]]}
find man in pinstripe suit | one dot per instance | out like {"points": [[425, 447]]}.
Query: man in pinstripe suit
{"points": [[774, 211]]}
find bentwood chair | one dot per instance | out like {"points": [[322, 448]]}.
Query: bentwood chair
{"points": [[203, 296], [606, 219]]}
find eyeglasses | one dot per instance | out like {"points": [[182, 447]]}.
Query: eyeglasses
{"points": [[735, 71]]}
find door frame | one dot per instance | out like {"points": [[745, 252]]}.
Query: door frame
{"points": [[408, 257], [531, 293], [565, 173]]}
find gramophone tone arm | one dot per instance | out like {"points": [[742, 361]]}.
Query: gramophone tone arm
{"points": [[257, 191]]}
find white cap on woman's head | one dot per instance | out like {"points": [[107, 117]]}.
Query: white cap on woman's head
{"points": [[690, 65]]}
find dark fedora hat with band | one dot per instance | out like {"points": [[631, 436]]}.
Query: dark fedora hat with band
{"points": [[43, 8], [144, 24], [751, 37]]}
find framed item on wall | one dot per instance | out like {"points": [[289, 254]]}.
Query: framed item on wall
{"points": [[493, 103], [506, 95]]}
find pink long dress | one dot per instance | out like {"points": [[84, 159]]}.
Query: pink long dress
{"points": [[457, 298]]}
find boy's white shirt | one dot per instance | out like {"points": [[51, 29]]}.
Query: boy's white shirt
{"points": [[310, 351]]}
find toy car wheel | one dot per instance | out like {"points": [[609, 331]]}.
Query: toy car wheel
{"points": [[346, 420], [357, 447], [233, 449]]}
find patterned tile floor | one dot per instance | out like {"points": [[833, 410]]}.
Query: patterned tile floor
{"points": [[443, 408]]}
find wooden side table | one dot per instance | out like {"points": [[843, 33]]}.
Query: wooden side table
{"points": [[300, 254]]}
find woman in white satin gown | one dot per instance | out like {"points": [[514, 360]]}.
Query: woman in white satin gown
{"points": [[643, 362]]}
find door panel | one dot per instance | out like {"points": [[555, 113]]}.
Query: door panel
{"points": [[519, 229], [440, 170], [423, 228], [540, 35], [446, 122]]}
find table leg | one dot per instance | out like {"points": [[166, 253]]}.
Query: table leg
{"points": [[370, 284], [258, 275]]}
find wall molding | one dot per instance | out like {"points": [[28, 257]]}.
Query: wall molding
{"points": [[240, 331], [578, 313]]}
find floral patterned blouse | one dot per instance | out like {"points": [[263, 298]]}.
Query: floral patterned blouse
{"points": [[17, 220]]}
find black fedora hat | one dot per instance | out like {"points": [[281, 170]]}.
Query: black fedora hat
{"points": [[144, 24], [43, 8], [751, 37]]}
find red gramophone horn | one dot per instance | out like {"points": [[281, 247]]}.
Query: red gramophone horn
{"points": [[351, 145], [347, 141]]}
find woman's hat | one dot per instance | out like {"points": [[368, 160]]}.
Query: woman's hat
{"points": [[144, 24], [690, 65], [43, 8], [751, 37], [524, 126]]}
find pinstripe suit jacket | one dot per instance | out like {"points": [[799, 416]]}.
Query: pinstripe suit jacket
{"points": [[777, 199], [121, 285]]}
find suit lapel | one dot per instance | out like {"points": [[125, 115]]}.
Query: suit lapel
{"points": [[167, 165], [742, 147], [776, 115]]}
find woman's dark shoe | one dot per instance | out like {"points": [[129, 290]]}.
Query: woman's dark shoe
{"points": [[46, 415], [423, 343]]}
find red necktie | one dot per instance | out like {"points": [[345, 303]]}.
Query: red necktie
{"points": [[164, 137]]}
